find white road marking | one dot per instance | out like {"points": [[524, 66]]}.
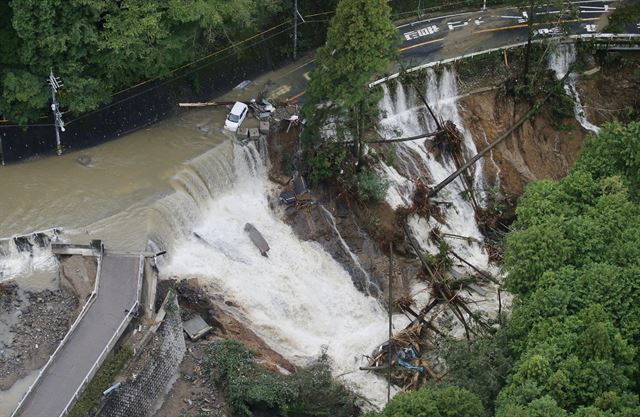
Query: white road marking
{"points": [[455, 25], [590, 28], [549, 31], [415, 34]]}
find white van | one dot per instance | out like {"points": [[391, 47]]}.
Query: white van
{"points": [[236, 116]]}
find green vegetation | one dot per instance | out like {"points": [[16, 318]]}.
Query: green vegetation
{"points": [[623, 16], [370, 186], [340, 107], [100, 47], [248, 387], [433, 402], [104, 378], [570, 347]]}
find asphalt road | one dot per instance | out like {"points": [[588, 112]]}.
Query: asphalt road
{"points": [[116, 294], [431, 39], [462, 33]]}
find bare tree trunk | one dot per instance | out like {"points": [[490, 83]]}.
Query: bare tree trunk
{"points": [[527, 51]]}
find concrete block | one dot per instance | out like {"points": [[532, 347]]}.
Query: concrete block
{"points": [[264, 127], [242, 133], [253, 133]]}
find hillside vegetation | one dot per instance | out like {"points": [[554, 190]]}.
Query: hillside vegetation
{"points": [[570, 345]]}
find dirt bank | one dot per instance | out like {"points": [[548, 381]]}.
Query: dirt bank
{"points": [[612, 93], [544, 148], [535, 151], [357, 235], [31, 326]]}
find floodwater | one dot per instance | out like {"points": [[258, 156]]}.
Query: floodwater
{"points": [[122, 177], [109, 198], [115, 192]]}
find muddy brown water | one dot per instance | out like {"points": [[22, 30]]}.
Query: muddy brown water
{"points": [[106, 192]]}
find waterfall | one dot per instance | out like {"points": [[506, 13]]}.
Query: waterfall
{"points": [[560, 61], [299, 299], [24, 256], [404, 115], [371, 284]]}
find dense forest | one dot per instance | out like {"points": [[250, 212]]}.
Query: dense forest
{"points": [[99, 47]]}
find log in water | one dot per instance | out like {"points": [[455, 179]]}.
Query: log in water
{"points": [[257, 239]]}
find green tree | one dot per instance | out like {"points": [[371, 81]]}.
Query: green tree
{"points": [[433, 402], [615, 151], [481, 365], [361, 42], [99, 47]]}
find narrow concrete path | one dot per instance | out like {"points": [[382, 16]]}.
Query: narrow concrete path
{"points": [[117, 293]]}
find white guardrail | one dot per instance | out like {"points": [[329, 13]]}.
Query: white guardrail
{"points": [[565, 39], [83, 312], [114, 338]]}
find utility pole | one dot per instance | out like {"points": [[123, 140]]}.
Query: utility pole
{"points": [[390, 321], [296, 15], [56, 83], [295, 29]]}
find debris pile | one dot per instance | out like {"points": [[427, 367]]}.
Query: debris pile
{"points": [[31, 326]]}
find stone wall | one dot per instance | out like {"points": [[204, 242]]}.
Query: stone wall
{"points": [[153, 371]]}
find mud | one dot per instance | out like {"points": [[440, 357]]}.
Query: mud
{"points": [[612, 93], [535, 151]]}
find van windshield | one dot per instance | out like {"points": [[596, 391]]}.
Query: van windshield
{"points": [[233, 118]]}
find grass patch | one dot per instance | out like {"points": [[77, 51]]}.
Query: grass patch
{"points": [[249, 388], [90, 398]]}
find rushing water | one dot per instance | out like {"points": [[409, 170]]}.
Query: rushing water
{"points": [[560, 62], [404, 115], [298, 299]]}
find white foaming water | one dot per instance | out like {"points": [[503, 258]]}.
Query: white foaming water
{"points": [[332, 221], [29, 258], [560, 61], [402, 118], [299, 299]]}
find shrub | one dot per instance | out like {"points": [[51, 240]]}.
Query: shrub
{"points": [[370, 186], [309, 392], [103, 379], [433, 402]]}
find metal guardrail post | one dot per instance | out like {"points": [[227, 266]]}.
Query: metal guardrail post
{"points": [[111, 343], [566, 39]]}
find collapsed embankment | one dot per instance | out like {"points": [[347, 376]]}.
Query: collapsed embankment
{"points": [[545, 146]]}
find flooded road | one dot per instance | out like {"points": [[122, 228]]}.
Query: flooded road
{"points": [[109, 198], [118, 178]]}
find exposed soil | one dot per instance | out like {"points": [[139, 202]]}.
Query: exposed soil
{"points": [[538, 150], [32, 325], [535, 151], [613, 93], [191, 394]]}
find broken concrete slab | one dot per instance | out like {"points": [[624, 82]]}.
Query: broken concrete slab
{"points": [[242, 133], [196, 327], [264, 127]]}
